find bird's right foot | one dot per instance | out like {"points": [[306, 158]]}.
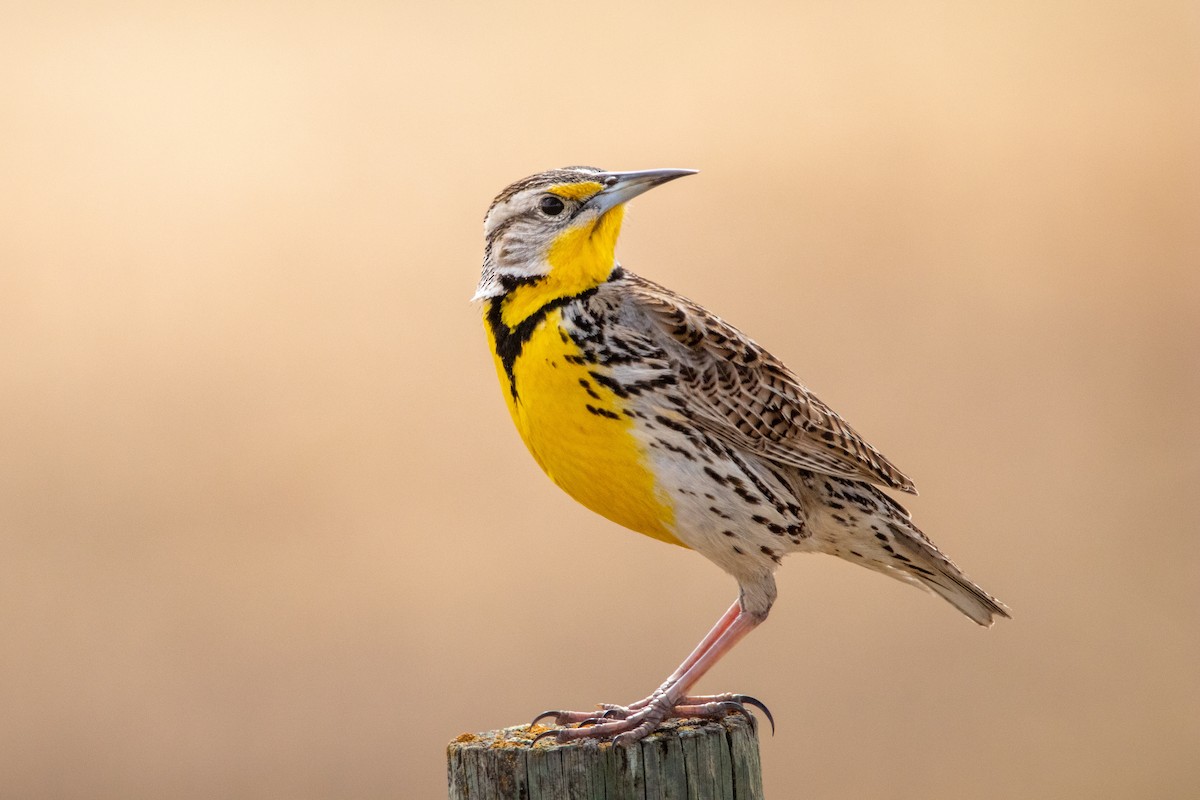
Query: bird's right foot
{"points": [[628, 724]]}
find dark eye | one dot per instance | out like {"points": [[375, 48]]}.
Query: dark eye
{"points": [[551, 206]]}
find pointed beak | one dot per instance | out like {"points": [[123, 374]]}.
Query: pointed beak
{"points": [[621, 187]]}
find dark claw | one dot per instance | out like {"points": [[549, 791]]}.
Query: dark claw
{"points": [[754, 701], [543, 716], [735, 707], [591, 721], [611, 714], [541, 736], [619, 740]]}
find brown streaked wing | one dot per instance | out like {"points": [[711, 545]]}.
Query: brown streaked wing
{"points": [[743, 395]]}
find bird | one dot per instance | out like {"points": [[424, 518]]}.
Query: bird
{"points": [[654, 412]]}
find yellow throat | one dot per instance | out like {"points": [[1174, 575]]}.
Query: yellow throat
{"points": [[578, 430]]}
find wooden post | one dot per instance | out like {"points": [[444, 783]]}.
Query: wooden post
{"points": [[682, 760]]}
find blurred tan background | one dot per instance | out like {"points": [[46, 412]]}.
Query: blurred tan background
{"points": [[266, 530]]}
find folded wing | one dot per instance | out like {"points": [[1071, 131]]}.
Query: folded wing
{"points": [[741, 394]]}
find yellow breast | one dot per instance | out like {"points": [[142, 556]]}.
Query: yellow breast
{"points": [[579, 433]]}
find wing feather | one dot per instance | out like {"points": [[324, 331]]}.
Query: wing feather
{"points": [[741, 394]]}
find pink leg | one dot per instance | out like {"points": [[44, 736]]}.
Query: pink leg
{"points": [[705, 644], [620, 712], [637, 720], [742, 624]]}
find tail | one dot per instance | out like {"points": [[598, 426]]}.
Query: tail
{"points": [[897, 548], [872, 529], [927, 567]]}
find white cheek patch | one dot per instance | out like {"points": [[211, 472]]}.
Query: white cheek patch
{"points": [[516, 250], [498, 216], [518, 242]]}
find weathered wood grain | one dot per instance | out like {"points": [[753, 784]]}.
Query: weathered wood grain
{"points": [[683, 760]]}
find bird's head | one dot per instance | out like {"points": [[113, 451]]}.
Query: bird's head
{"points": [[558, 229]]}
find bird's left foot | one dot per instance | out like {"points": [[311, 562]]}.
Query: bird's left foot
{"points": [[628, 724]]}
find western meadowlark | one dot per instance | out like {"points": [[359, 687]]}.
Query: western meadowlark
{"points": [[662, 417]]}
